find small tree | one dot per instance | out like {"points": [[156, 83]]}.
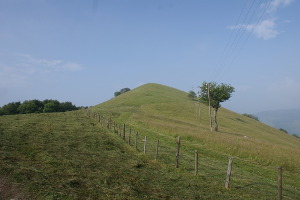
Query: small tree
{"points": [[11, 108], [251, 116], [52, 106], [67, 106], [192, 94], [283, 130], [31, 106], [213, 94], [122, 91]]}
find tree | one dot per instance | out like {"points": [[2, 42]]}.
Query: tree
{"points": [[52, 106], [31, 106], [283, 130], [213, 95], [11, 108], [251, 116], [192, 94], [67, 106], [122, 91]]}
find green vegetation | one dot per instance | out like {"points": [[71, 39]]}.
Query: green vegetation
{"points": [[192, 94], [70, 156], [122, 91], [251, 116], [36, 106], [213, 95], [283, 130]]}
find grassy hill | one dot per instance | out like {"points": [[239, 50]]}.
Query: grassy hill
{"points": [[72, 156], [170, 112]]}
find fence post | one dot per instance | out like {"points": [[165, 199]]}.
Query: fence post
{"points": [[145, 144], [129, 134], [136, 139], [109, 123], [279, 183], [156, 152], [227, 183], [123, 131], [196, 162], [177, 152], [114, 124]]}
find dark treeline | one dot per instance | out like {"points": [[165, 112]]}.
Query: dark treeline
{"points": [[36, 106]]}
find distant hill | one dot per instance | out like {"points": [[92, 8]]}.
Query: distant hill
{"points": [[286, 119]]}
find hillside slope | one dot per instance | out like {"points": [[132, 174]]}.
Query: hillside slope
{"points": [[170, 112]]}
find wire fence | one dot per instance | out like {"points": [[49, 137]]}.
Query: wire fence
{"points": [[223, 169]]}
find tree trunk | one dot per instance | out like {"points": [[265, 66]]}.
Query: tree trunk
{"points": [[215, 119]]}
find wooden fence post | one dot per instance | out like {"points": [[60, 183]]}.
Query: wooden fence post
{"points": [[156, 152], [136, 139], [107, 124], [129, 135], [123, 131], [279, 183], [177, 152], [114, 125], [227, 183], [145, 144], [196, 162]]}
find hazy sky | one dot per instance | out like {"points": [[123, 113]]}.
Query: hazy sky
{"points": [[84, 50]]}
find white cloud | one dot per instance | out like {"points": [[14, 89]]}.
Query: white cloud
{"points": [[44, 65], [275, 4], [70, 66], [21, 68], [266, 29]]}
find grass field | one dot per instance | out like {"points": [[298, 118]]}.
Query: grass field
{"points": [[71, 156]]}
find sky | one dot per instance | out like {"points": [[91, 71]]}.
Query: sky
{"points": [[85, 50]]}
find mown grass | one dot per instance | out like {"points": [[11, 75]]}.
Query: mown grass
{"points": [[70, 156]]}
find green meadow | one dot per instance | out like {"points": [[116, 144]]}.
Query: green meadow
{"points": [[72, 156]]}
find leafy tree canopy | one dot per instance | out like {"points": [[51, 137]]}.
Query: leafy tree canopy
{"points": [[217, 93], [122, 91], [192, 94], [36, 106], [52, 106], [213, 94], [251, 116], [283, 130], [10, 108]]}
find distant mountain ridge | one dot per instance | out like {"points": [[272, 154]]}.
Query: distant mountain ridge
{"points": [[287, 119]]}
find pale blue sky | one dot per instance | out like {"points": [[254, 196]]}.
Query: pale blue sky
{"points": [[83, 51]]}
